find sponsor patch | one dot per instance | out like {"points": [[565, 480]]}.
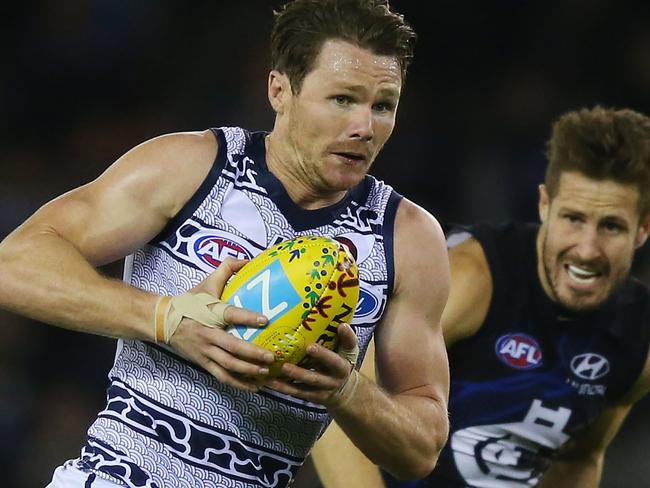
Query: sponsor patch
{"points": [[213, 250], [367, 304], [519, 351], [589, 366]]}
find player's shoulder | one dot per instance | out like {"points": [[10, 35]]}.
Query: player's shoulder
{"points": [[161, 172], [506, 234], [505, 245], [632, 301], [187, 148], [420, 251], [415, 222]]}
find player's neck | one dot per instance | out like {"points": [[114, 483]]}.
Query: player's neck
{"points": [[301, 188]]}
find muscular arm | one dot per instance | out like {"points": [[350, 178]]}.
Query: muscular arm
{"points": [[338, 462], [470, 294], [402, 425], [465, 310], [47, 265]]}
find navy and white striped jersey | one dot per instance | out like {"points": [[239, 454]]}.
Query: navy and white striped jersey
{"points": [[168, 423]]}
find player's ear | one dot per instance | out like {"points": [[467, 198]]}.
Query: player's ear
{"points": [[643, 232], [544, 202], [279, 90]]}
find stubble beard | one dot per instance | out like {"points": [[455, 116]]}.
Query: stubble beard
{"points": [[578, 304]]}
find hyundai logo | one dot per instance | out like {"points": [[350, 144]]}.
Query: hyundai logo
{"points": [[590, 366]]}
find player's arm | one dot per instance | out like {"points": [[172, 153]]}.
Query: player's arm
{"points": [[470, 293], [469, 299], [337, 460], [402, 425], [579, 464], [48, 264]]}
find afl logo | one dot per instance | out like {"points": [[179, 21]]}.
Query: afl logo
{"points": [[519, 351], [213, 250], [590, 366], [367, 304]]}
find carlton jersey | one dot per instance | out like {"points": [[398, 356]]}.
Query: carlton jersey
{"points": [[167, 422], [534, 374]]}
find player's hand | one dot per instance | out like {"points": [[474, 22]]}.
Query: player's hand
{"points": [[231, 360], [328, 382]]}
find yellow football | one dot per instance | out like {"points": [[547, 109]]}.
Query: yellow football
{"points": [[306, 287]]}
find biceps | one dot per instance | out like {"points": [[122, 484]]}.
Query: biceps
{"points": [[102, 226], [410, 352]]}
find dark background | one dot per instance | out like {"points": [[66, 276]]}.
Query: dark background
{"points": [[83, 81]]}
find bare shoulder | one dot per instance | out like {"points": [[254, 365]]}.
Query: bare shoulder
{"points": [[132, 200], [471, 291], [409, 344], [413, 220], [469, 259], [172, 164], [420, 250]]}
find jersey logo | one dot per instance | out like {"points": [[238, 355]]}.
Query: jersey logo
{"points": [[367, 304], [519, 351], [590, 366], [510, 454], [213, 250]]}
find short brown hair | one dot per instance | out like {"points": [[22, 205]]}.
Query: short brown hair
{"points": [[602, 144], [302, 27]]}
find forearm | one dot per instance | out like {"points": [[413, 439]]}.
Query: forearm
{"points": [[573, 473], [44, 277], [401, 433]]}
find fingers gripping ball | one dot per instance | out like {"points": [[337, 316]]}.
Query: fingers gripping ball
{"points": [[306, 287]]}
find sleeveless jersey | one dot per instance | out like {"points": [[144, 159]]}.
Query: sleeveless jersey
{"points": [[167, 422], [534, 374]]}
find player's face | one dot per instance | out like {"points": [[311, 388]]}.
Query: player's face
{"points": [[590, 231], [342, 116]]}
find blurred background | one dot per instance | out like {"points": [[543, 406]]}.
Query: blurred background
{"points": [[83, 81]]}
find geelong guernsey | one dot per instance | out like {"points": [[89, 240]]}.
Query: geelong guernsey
{"points": [[168, 423], [534, 374]]}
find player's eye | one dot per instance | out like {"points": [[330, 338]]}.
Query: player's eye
{"points": [[342, 100]]}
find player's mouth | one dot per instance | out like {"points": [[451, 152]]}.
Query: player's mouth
{"points": [[351, 157], [582, 276]]}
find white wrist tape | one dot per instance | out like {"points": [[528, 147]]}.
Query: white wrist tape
{"points": [[350, 354], [344, 394], [170, 311]]}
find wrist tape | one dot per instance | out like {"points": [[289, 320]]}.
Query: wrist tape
{"points": [[350, 354], [347, 390], [170, 311]]}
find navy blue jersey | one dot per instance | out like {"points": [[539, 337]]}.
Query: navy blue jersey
{"points": [[534, 374]]}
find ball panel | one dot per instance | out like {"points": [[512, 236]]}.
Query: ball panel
{"points": [[305, 286]]}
